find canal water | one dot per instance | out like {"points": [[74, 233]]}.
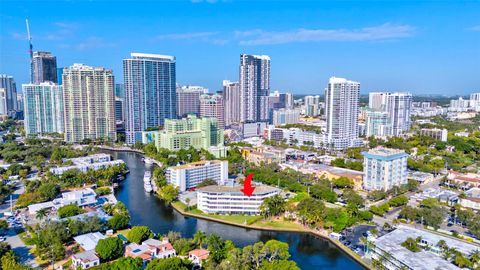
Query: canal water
{"points": [[307, 251]]}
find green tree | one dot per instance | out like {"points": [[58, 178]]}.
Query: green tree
{"points": [[279, 265], [118, 222], [343, 182], [3, 224], [216, 247], [49, 191], [169, 193], [199, 238], [398, 201], [411, 244], [70, 211], [41, 214], [272, 206], [310, 210], [126, 263], [139, 234], [174, 263], [109, 248]]}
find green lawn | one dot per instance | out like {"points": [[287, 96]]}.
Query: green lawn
{"points": [[279, 224]]}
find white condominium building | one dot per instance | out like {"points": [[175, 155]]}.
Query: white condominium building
{"points": [[213, 106], [378, 124], [384, 168], [254, 84], [341, 110], [312, 105], [231, 97], [230, 199], [188, 99], [190, 175], [397, 105], [285, 116], [89, 102]]}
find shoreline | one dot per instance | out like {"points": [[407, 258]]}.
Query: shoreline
{"points": [[344, 249]]}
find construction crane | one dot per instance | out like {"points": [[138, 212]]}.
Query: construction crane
{"points": [[30, 51]]}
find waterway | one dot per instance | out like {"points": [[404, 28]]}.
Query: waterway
{"points": [[307, 251]]}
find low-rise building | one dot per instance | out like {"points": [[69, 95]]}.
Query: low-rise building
{"points": [[436, 133], [81, 197], [285, 116], [467, 180], [388, 249], [134, 250], [198, 255], [420, 177], [89, 241], [85, 260], [231, 200], [462, 134], [190, 175], [384, 168], [161, 249], [83, 164], [471, 199]]}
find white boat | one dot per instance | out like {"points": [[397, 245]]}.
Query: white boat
{"points": [[147, 177], [148, 160], [148, 187]]}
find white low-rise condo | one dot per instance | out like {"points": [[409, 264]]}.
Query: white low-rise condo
{"points": [[190, 175], [231, 200], [384, 168]]}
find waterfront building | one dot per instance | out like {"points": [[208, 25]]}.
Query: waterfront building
{"points": [[89, 103], [83, 164], [440, 134], [285, 116], [43, 108], [190, 175], [197, 256], [199, 133], [254, 83], [213, 106], [384, 168], [85, 260], [3, 101], [188, 99], [341, 110], [394, 256], [312, 105], [231, 97], [8, 83], [231, 200], [81, 197], [150, 93], [44, 67], [378, 124]]}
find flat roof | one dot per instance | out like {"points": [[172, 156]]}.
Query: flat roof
{"points": [[196, 164], [385, 153], [236, 189], [423, 260]]}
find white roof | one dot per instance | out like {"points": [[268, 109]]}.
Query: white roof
{"points": [[89, 241], [149, 55]]}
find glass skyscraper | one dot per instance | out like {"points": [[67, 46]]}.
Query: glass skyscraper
{"points": [[8, 83], [150, 96], [44, 67], [43, 111], [254, 84]]}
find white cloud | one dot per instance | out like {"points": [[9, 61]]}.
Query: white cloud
{"points": [[382, 32]]}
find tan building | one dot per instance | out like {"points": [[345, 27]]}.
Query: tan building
{"points": [[89, 103], [213, 106]]}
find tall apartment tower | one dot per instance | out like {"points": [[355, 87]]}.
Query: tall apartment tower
{"points": [[3, 102], [188, 99], [397, 105], [44, 67], [43, 108], [213, 106], [254, 84], [8, 83], [341, 110], [377, 100], [312, 105], [150, 96], [231, 98], [89, 102]]}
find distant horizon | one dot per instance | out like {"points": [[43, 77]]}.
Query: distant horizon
{"points": [[426, 48]]}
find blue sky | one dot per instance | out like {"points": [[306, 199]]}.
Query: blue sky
{"points": [[426, 47]]}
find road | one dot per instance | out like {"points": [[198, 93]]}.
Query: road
{"points": [[12, 238]]}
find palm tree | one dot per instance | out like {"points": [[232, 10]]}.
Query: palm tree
{"points": [[41, 214], [199, 238], [475, 257]]}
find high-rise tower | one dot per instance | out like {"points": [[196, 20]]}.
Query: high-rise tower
{"points": [[254, 83]]}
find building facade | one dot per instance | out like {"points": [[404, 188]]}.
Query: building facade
{"points": [[8, 83], [232, 100], [199, 133], [213, 106], [3, 101], [190, 175], [285, 116], [384, 168], [254, 83], [312, 105], [44, 67], [378, 124], [89, 103], [188, 99], [43, 108], [119, 112], [399, 106], [341, 110], [150, 93], [230, 199], [436, 133]]}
